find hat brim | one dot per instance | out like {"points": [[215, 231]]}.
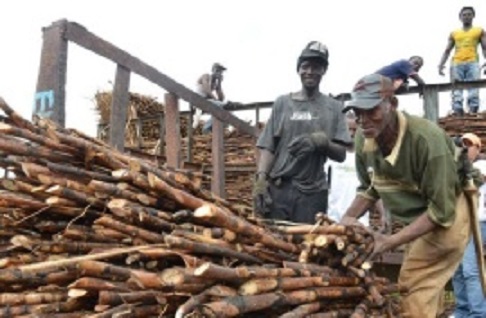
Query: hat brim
{"points": [[313, 56], [365, 104], [475, 141]]}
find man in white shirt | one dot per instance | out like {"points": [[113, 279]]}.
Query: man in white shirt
{"points": [[209, 86]]}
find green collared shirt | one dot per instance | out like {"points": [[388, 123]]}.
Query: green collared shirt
{"points": [[419, 175]]}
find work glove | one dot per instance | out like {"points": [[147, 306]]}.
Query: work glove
{"points": [[305, 144], [261, 197]]}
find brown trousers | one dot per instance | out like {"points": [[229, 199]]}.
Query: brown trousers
{"points": [[429, 263]]}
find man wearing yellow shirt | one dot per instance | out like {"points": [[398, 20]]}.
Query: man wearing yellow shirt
{"points": [[465, 61]]}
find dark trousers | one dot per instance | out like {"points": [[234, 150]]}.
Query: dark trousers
{"points": [[290, 204]]}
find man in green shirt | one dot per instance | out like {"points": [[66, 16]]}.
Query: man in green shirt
{"points": [[408, 162]]}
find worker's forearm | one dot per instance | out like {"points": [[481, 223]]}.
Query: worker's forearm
{"points": [[418, 79], [220, 94], [483, 45], [422, 225], [336, 152], [265, 162], [444, 57], [359, 206]]}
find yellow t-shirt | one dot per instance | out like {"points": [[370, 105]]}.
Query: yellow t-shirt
{"points": [[466, 43]]}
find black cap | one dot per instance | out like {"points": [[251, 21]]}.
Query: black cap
{"points": [[218, 66], [314, 50]]}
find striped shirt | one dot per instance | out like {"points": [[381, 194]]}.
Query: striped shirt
{"points": [[418, 176]]}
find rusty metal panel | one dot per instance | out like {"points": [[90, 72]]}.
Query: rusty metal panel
{"points": [[172, 131], [49, 101], [217, 158], [81, 36], [119, 105]]}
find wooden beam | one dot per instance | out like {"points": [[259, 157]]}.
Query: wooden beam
{"points": [[217, 158], [172, 131], [445, 87], [439, 87], [81, 36], [119, 106], [248, 106], [49, 101]]}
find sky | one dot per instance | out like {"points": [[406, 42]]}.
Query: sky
{"points": [[258, 41]]}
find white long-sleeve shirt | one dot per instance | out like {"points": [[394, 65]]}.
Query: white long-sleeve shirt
{"points": [[481, 165], [344, 182]]}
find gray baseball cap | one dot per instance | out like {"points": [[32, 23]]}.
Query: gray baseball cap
{"points": [[314, 50], [369, 91]]}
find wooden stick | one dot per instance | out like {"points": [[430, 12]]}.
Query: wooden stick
{"points": [[130, 229], [192, 303], [223, 273], [73, 260], [207, 249], [220, 218], [31, 298], [305, 310], [42, 140], [178, 195], [239, 305]]}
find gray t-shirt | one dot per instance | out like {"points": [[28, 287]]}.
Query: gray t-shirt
{"points": [[291, 118]]}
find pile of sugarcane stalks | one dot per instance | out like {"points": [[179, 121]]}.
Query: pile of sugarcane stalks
{"points": [[87, 231], [239, 148], [469, 123]]}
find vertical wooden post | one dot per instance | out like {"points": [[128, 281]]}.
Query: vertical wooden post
{"points": [[172, 131], [138, 129], [119, 106], [49, 101], [217, 158], [161, 133], [431, 104], [190, 134], [257, 117]]}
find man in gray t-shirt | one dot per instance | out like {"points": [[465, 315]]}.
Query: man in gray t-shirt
{"points": [[304, 129]]}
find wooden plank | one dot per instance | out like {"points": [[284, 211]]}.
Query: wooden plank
{"points": [[49, 101], [438, 87], [217, 158], [248, 106], [445, 87], [119, 106], [81, 36], [172, 131]]}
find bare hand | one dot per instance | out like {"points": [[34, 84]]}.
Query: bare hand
{"points": [[441, 70], [381, 245], [349, 220], [385, 226]]}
